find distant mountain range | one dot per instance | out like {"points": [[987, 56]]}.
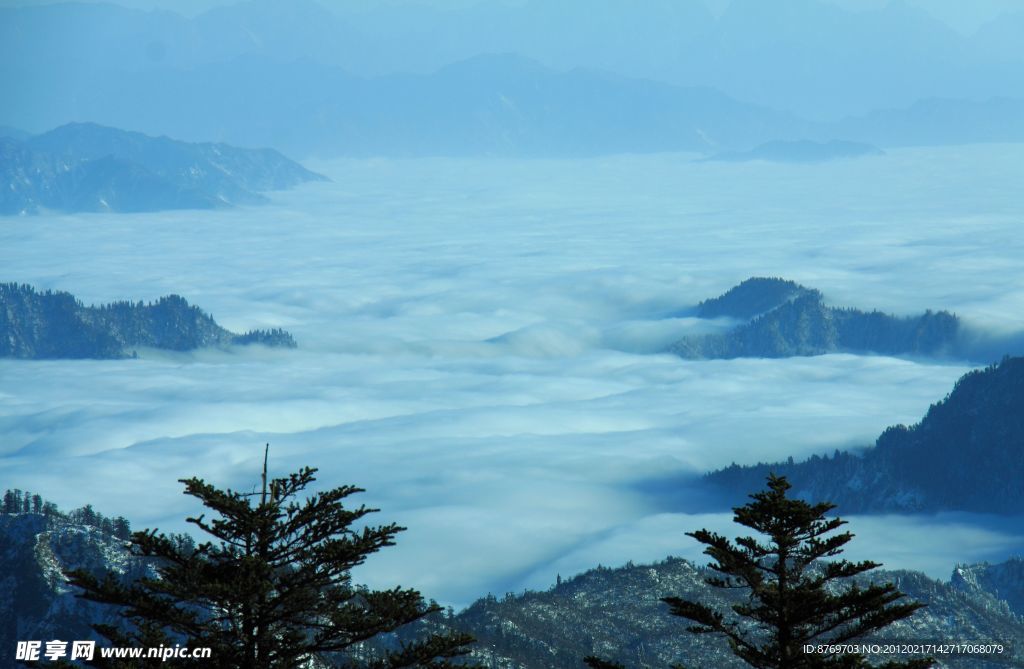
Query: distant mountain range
{"points": [[387, 80], [786, 319], [808, 56], [613, 612], [487, 105], [83, 167], [934, 121], [13, 133], [45, 325], [966, 454], [800, 151]]}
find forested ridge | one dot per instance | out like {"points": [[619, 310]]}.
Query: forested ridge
{"points": [[781, 318], [53, 324], [966, 454]]}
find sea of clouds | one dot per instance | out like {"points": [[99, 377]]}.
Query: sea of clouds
{"points": [[479, 349]]}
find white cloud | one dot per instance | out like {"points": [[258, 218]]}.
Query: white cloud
{"points": [[476, 345]]}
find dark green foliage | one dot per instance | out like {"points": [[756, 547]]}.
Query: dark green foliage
{"points": [[751, 298], [16, 501], [1005, 579], [49, 325], [273, 337], [966, 454], [12, 501], [793, 599], [273, 589], [617, 614], [787, 319], [53, 324], [931, 333], [35, 545]]}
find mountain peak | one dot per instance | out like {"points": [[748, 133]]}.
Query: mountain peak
{"points": [[86, 166]]}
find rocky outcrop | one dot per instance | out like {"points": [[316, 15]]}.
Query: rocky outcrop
{"points": [[1003, 581], [36, 602]]}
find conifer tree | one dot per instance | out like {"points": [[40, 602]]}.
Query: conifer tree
{"points": [[792, 598], [273, 588]]}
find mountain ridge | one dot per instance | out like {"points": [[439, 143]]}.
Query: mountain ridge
{"points": [[81, 167], [966, 454], [53, 324], [914, 57], [616, 612], [784, 319]]}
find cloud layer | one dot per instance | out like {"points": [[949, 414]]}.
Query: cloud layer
{"points": [[477, 347]]}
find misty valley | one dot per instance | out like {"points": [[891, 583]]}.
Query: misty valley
{"points": [[512, 334], [527, 363]]}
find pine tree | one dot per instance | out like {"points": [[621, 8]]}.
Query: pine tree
{"points": [[793, 599], [273, 590], [12, 501]]}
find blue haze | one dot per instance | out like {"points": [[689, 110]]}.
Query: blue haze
{"points": [[823, 61], [479, 335], [477, 347]]}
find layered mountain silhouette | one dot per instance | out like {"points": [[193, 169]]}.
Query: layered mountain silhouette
{"points": [[782, 319], [83, 167], [934, 121], [519, 79], [966, 454], [53, 324], [753, 51], [498, 104]]}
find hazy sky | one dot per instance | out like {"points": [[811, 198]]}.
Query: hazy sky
{"points": [[477, 348], [290, 76], [192, 7], [965, 16]]}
